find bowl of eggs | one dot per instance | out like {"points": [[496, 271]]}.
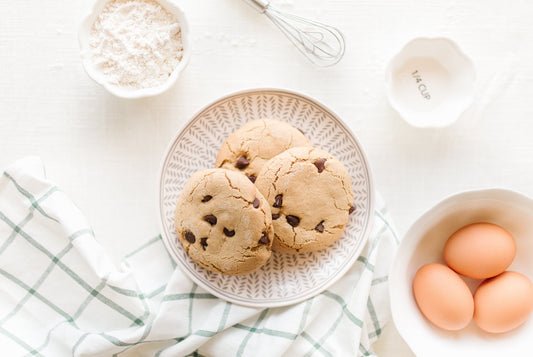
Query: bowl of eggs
{"points": [[461, 281]]}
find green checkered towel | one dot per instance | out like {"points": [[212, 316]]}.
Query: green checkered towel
{"points": [[61, 295]]}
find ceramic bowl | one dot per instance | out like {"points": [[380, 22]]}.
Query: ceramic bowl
{"points": [[120, 91], [424, 243], [430, 82]]}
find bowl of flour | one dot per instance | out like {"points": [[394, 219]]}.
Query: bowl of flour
{"points": [[134, 48]]}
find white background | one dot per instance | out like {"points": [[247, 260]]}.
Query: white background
{"points": [[105, 152]]}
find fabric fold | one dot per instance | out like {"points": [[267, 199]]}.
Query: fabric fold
{"points": [[62, 296]]}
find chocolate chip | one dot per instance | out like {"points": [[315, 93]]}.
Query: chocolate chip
{"points": [[275, 216], [189, 237], [207, 198], [320, 227], [256, 203], [350, 211], [264, 239], [242, 162], [212, 220], [278, 201], [293, 220], [252, 178], [228, 232], [319, 163], [203, 242]]}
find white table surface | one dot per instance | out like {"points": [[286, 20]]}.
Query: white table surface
{"points": [[105, 152]]}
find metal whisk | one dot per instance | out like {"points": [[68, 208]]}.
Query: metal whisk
{"points": [[320, 43]]}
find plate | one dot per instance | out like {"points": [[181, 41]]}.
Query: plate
{"points": [[285, 279]]}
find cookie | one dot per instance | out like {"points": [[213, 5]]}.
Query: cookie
{"points": [[310, 194], [224, 222], [250, 147]]}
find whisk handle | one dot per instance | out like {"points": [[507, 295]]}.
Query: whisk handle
{"points": [[259, 5]]}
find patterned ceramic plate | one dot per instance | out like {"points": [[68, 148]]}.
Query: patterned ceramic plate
{"points": [[285, 279]]}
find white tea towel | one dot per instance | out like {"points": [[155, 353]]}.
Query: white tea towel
{"points": [[60, 294]]}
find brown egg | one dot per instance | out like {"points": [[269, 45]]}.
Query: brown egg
{"points": [[504, 302], [480, 250], [443, 297]]}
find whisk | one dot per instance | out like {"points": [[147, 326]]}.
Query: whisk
{"points": [[320, 43]]}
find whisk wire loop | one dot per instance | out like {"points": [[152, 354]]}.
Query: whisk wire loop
{"points": [[322, 44]]}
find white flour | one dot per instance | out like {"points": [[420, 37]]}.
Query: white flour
{"points": [[136, 43]]}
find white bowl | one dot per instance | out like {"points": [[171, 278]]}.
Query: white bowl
{"points": [[423, 244], [430, 82], [120, 91]]}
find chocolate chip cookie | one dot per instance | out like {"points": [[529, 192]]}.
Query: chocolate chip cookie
{"points": [[247, 149], [224, 222], [310, 194]]}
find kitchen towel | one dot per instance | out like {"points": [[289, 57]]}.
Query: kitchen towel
{"points": [[60, 294]]}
